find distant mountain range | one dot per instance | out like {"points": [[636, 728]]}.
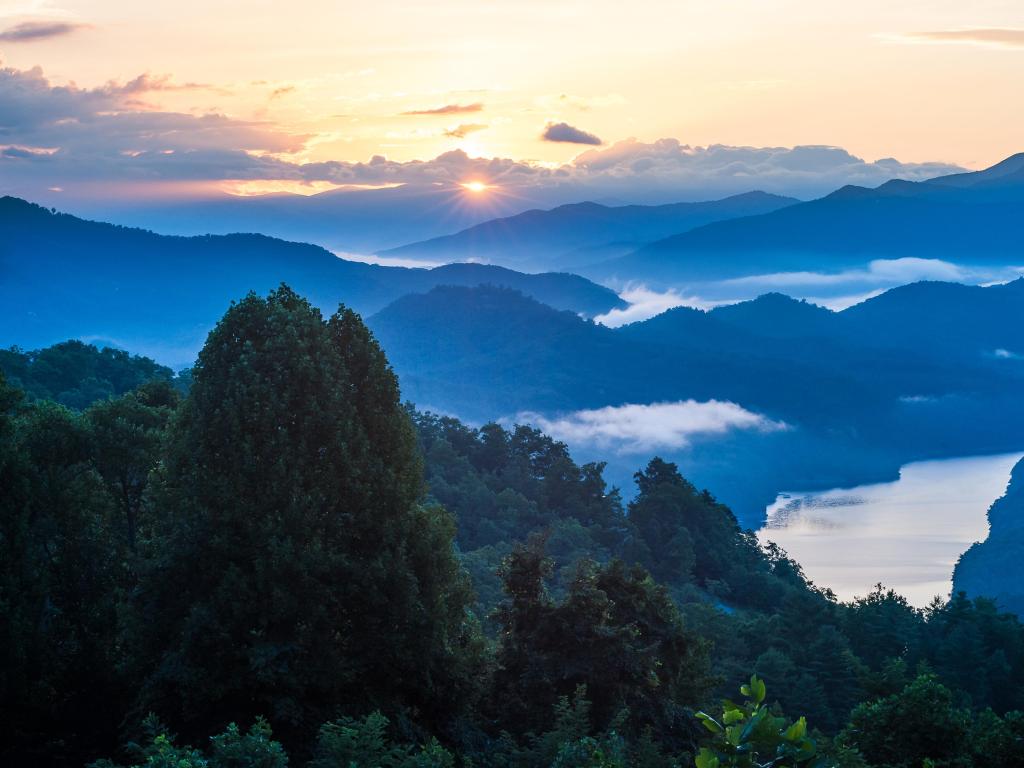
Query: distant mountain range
{"points": [[931, 318], [968, 218], [918, 340], [875, 385], [347, 220], [63, 277], [573, 236]]}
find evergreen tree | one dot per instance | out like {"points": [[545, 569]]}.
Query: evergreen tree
{"points": [[60, 571], [290, 571], [616, 632]]}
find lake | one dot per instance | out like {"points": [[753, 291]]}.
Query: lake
{"points": [[905, 534]]}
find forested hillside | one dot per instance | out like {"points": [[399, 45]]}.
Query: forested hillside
{"points": [[289, 561], [993, 567]]}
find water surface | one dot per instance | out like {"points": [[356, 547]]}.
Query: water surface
{"points": [[906, 534]]}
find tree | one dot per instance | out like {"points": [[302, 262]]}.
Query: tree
{"points": [[909, 728], [127, 434], [686, 531], [616, 632], [60, 572], [290, 571]]}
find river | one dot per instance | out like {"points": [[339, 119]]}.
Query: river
{"points": [[905, 534]]}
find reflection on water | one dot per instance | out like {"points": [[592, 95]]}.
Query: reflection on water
{"points": [[907, 534]]}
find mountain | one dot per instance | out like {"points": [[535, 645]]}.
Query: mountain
{"points": [[63, 277], [970, 218], [994, 567], [857, 404], [571, 236], [345, 220], [929, 318], [777, 316]]}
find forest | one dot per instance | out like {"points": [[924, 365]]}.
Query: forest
{"points": [[269, 559]]}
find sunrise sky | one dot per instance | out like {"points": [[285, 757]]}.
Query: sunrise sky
{"points": [[249, 91]]}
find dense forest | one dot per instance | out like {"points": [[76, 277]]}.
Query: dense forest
{"points": [[269, 560]]}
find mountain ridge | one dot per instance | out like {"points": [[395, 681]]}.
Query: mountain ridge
{"points": [[96, 276], [560, 237], [969, 220]]}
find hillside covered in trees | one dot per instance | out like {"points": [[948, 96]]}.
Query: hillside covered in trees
{"points": [[270, 560]]}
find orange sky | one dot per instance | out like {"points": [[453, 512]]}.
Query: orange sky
{"points": [[918, 81]]}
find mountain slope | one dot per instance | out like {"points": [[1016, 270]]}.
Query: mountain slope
{"points": [[970, 218], [573, 235], [858, 404], [994, 567], [63, 277]]}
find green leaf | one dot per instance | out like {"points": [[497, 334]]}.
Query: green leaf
{"points": [[709, 722], [796, 731], [706, 759], [731, 716], [757, 688]]}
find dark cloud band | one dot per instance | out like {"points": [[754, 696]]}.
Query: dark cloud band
{"points": [[448, 109], [563, 132], [38, 30]]}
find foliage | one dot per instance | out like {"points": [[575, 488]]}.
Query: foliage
{"points": [[616, 632], [61, 571], [76, 374], [267, 546], [364, 743], [286, 516], [923, 725], [749, 735]]}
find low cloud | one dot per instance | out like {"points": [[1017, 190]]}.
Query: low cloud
{"points": [[1000, 37], [1006, 354], [464, 129], [645, 303], [880, 271], [448, 109], [635, 428], [834, 290], [563, 132], [30, 31]]}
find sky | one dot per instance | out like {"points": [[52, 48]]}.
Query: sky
{"points": [[252, 96]]}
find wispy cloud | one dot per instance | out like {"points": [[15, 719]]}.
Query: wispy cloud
{"points": [[448, 109], [645, 303], [896, 271], [30, 31], [999, 37], [464, 129], [284, 90], [563, 132], [634, 428]]}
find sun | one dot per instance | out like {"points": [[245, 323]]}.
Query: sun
{"points": [[476, 187]]}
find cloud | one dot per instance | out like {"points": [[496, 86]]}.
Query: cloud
{"points": [[284, 90], [106, 134], [1004, 37], [448, 109], [566, 133], [897, 271], [29, 31], [464, 129], [635, 428], [645, 303], [844, 288]]}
